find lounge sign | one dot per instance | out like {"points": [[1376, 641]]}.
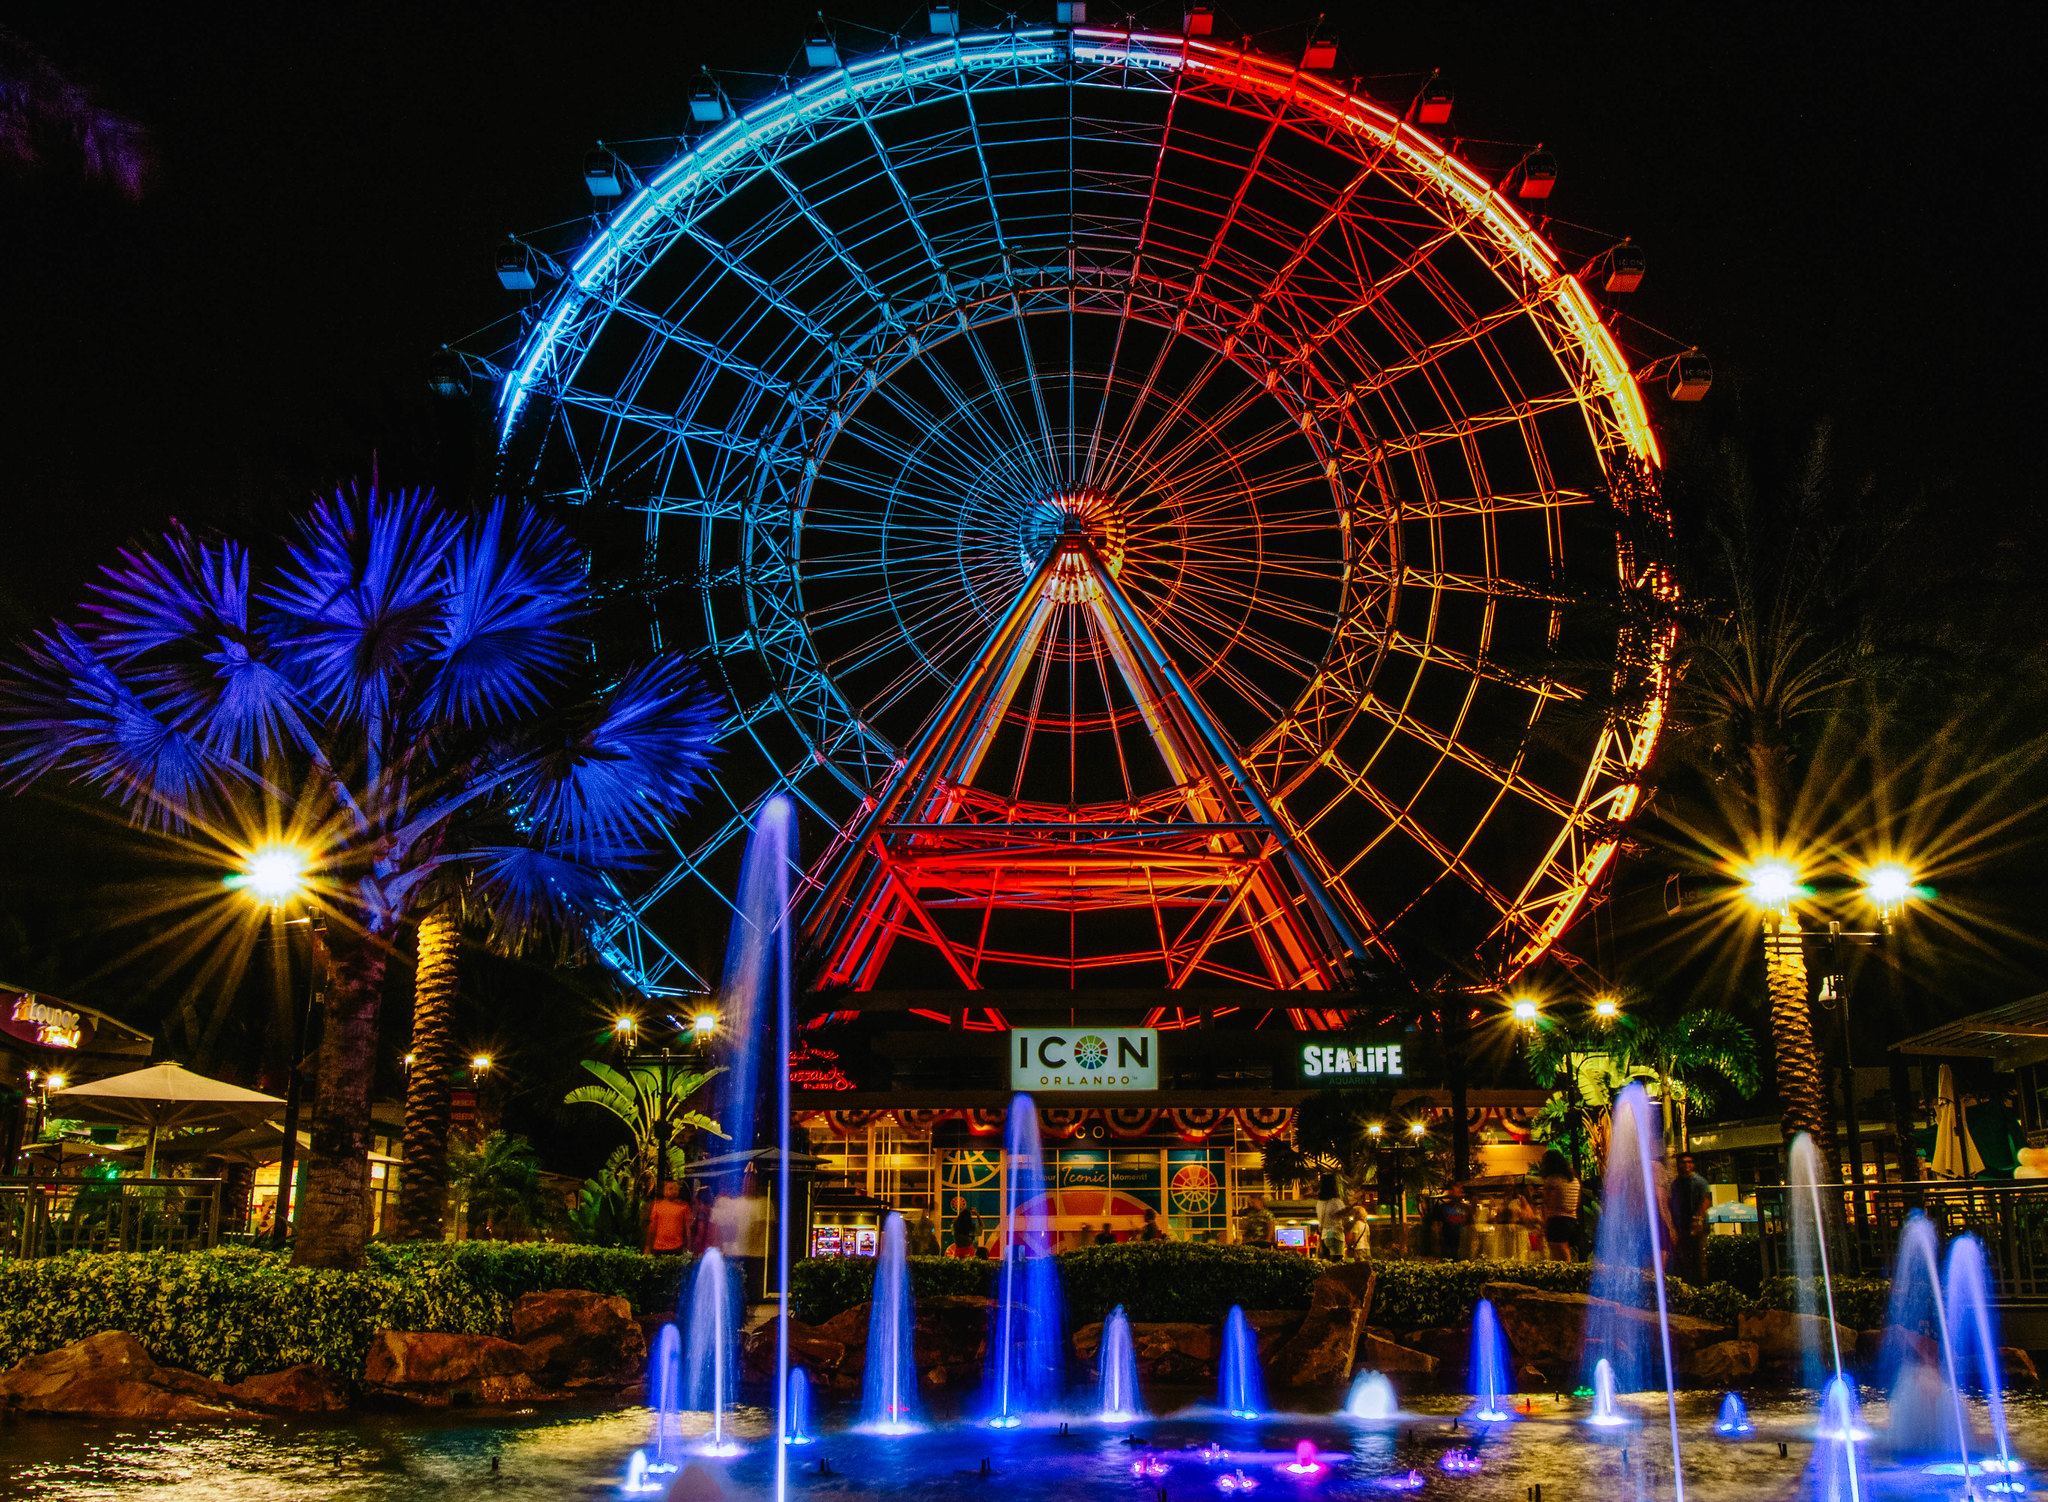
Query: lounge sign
{"points": [[1084, 1058], [1328, 1064], [38, 1022]]}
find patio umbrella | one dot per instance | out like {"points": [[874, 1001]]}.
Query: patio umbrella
{"points": [[164, 1095], [263, 1143], [1955, 1155]]}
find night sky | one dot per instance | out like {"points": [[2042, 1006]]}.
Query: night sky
{"points": [[1831, 197]]}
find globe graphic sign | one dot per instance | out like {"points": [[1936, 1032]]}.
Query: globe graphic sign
{"points": [[1192, 1190], [1091, 1052]]}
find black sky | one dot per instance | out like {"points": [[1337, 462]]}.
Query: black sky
{"points": [[1835, 200]]}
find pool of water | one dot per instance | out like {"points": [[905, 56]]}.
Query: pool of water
{"points": [[1190, 1453]]}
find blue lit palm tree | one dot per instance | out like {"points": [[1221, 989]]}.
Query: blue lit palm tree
{"points": [[408, 692]]}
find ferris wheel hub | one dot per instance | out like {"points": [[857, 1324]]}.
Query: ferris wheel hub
{"points": [[1062, 518]]}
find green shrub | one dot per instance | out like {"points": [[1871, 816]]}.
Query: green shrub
{"points": [[511, 1268], [1860, 1303], [1420, 1295], [821, 1287], [230, 1312], [1736, 1259], [1183, 1280], [235, 1310], [1156, 1280]]}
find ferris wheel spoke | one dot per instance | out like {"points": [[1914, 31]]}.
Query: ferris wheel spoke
{"points": [[762, 288]]}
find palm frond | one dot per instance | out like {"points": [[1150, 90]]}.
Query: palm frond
{"points": [[361, 598], [529, 886], [513, 586]]}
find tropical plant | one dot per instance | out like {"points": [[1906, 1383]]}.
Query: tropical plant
{"points": [[653, 1102], [608, 1205], [42, 107], [1687, 1055], [423, 1175], [498, 1184], [406, 695]]}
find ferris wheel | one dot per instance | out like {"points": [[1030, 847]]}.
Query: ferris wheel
{"points": [[1130, 486]]}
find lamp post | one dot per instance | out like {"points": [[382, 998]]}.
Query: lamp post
{"points": [[274, 875], [702, 1029], [1776, 889]]}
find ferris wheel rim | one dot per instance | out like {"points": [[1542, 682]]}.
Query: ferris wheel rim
{"points": [[1610, 381]]}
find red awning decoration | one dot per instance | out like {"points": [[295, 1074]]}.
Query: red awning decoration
{"points": [[1195, 1123], [1061, 1121], [848, 1123], [917, 1120], [985, 1123], [1130, 1121], [1264, 1123]]}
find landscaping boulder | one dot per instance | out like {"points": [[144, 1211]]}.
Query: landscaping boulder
{"points": [[1321, 1351], [952, 1338], [434, 1369], [1449, 1346], [1781, 1336], [112, 1375], [308, 1388], [1378, 1351], [579, 1339], [1725, 1363], [1548, 1330]]}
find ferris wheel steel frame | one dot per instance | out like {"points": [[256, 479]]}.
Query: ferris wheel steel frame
{"points": [[1240, 832]]}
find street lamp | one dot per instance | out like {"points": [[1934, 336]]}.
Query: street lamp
{"points": [[480, 1064], [704, 1024], [273, 875], [1606, 1008], [1525, 1011]]}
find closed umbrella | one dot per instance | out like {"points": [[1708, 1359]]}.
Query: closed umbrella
{"points": [[164, 1095], [1955, 1155]]}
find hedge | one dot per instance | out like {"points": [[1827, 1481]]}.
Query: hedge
{"points": [[511, 1268], [1738, 1260], [235, 1310], [1153, 1280]]}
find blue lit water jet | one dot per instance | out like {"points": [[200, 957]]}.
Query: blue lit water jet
{"points": [[1241, 1381], [1629, 1219], [1973, 1340], [1371, 1397], [637, 1470], [1604, 1413], [1027, 1346], [1118, 1358], [664, 1382], [1734, 1420], [1492, 1380], [889, 1387], [709, 1352], [798, 1427], [1926, 1398]]}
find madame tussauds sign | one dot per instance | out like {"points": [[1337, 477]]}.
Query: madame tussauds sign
{"points": [[1084, 1058]]}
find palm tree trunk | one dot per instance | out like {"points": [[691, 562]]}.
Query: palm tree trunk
{"points": [[334, 1213], [1802, 1096], [423, 1179]]}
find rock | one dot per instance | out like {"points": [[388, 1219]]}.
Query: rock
{"points": [[1173, 1351], [849, 1326], [112, 1375], [578, 1339], [2018, 1367], [952, 1338], [1273, 1327], [308, 1388], [695, 1485], [1449, 1346], [436, 1369], [1781, 1335], [1379, 1353], [1724, 1363], [1323, 1348], [1347, 1285], [1870, 1346]]}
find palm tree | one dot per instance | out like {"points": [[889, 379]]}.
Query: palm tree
{"points": [[407, 695], [498, 1182], [41, 107], [423, 1176], [653, 1103], [1685, 1054]]}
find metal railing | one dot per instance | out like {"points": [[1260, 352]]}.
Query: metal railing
{"points": [[47, 1217], [2011, 1219]]}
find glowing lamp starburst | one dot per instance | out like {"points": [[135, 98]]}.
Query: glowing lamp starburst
{"points": [[1889, 885], [274, 874], [1773, 884]]}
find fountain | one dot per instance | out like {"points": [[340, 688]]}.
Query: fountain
{"points": [[1972, 1341], [1812, 1281], [798, 1427], [1917, 1365], [1630, 1214], [1734, 1420], [1840, 1430], [1241, 1381], [1604, 1413], [709, 1366], [1462, 1461], [664, 1379], [1118, 1359], [1305, 1462], [637, 1471], [1371, 1397], [889, 1388], [1027, 1347], [1492, 1377]]}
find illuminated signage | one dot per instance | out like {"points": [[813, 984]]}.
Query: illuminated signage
{"points": [[1084, 1058], [1350, 1063], [40, 1023]]}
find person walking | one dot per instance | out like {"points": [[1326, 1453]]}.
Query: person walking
{"points": [[1255, 1225], [1691, 1197], [1453, 1217], [668, 1222], [1331, 1213], [1150, 1231], [1559, 1196], [966, 1228]]}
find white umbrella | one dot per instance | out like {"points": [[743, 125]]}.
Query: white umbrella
{"points": [[1955, 1155], [164, 1095]]}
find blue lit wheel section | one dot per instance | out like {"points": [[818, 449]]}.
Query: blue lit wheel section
{"points": [[1131, 489]]}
